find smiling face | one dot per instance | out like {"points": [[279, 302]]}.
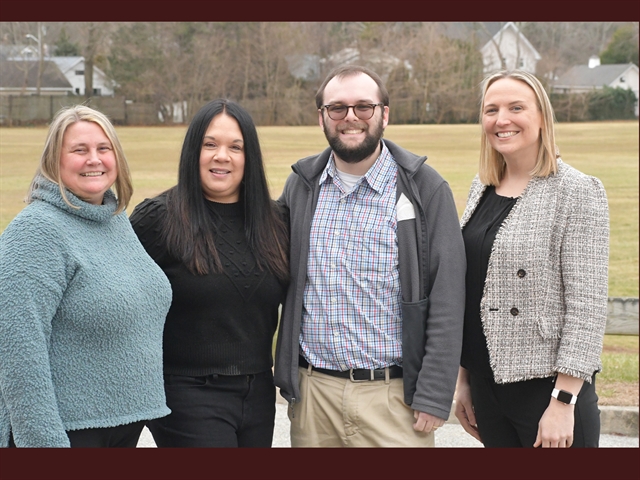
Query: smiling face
{"points": [[87, 162], [511, 120], [352, 139], [222, 160]]}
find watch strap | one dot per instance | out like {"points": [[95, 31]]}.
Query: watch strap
{"points": [[564, 396]]}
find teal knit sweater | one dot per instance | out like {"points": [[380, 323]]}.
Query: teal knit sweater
{"points": [[82, 310]]}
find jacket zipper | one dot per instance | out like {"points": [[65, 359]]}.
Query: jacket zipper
{"points": [[291, 404]]}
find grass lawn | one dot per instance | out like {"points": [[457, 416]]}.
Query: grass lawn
{"points": [[617, 384], [608, 150]]}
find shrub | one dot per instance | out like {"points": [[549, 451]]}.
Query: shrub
{"points": [[611, 104]]}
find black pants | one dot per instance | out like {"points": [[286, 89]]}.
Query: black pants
{"points": [[508, 414], [217, 411], [125, 436]]}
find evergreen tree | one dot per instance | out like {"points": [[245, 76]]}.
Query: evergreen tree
{"points": [[65, 47], [623, 47]]}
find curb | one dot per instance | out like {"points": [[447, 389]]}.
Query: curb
{"points": [[619, 420], [613, 420]]}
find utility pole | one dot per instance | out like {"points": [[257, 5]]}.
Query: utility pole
{"points": [[38, 40]]}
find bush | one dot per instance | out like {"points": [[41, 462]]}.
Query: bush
{"points": [[605, 104], [612, 104], [570, 107]]}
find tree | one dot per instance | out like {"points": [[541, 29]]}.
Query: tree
{"points": [[565, 44], [444, 77], [64, 47], [623, 46], [91, 46], [176, 65]]}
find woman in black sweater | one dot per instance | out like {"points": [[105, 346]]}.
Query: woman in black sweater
{"points": [[220, 240]]}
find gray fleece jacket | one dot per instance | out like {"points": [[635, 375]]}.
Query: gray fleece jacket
{"points": [[432, 269]]}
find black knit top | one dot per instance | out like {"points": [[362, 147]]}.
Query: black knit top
{"points": [[479, 234], [220, 323]]}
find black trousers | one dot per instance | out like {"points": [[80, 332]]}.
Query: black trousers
{"points": [[508, 414], [124, 436], [217, 411]]}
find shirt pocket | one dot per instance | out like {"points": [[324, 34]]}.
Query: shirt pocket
{"points": [[372, 251]]}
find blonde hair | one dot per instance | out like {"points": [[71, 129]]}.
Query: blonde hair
{"points": [[492, 164], [50, 160]]}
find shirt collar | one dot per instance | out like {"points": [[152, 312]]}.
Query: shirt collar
{"points": [[380, 173]]}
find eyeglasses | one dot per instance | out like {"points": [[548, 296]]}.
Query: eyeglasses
{"points": [[364, 111]]}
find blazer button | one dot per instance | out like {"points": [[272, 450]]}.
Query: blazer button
{"points": [[521, 273], [515, 311]]}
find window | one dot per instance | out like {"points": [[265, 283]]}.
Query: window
{"points": [[97, 92], [79, 72], [621, 79], [521, 63]]}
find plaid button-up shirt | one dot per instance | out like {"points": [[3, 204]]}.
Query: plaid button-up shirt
{"points": [[351, 314]]}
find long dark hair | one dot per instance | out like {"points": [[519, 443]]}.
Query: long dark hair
{"points": [[188, 230]]}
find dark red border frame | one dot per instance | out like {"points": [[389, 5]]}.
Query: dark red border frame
{"points": [[319, 464], [311, 464], [296, 10]]}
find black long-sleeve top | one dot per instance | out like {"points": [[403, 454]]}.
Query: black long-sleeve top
{"points": [[479, 234], [220, 323]]}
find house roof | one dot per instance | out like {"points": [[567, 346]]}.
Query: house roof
{"points": [[67, 63], [15, 74], [481, 31], [522, 37], [583, 76]]}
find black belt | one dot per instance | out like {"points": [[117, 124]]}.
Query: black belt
{"points": [[356, 374]]}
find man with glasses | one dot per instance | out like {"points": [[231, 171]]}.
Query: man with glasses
{"points": [[370, 336]]}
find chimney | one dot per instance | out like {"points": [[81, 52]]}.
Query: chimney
{"points": [[594, 61]]}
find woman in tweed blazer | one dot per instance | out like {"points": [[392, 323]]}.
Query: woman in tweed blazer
{"points": [[536, 235]]}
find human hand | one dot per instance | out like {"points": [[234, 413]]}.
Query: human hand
{"points": [[426, 422], [555, 429], [464, 411]]}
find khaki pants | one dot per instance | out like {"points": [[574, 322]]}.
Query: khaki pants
{"points": [[336, 412]]}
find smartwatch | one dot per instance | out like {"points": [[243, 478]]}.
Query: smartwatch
{"points": [[564, 396]]}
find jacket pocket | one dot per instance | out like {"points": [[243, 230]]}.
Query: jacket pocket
{"points": [[548, 327]]}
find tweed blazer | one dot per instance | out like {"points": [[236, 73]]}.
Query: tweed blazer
{"points": [[544, 305]]}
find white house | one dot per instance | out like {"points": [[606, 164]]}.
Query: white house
{"points": [[585, 78], [501, 44], [73, 69], [508, 48], [21, 78]]}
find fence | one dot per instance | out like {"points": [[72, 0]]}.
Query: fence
{"points": [[16, 110], [622, 316], [20, 110]]}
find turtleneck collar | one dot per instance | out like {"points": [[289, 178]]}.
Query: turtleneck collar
{"points": [[48, 191]]}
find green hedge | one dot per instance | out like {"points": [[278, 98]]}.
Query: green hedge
{"points": [[604, 104]]}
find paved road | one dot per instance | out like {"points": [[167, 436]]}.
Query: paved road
{"points": [[450, 435]]}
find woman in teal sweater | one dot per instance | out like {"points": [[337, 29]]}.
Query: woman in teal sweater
{"points": [[82, 305]]}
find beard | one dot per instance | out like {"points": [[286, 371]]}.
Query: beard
{"points": [[358, 153]]}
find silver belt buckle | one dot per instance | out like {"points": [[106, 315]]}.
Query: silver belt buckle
{"points": [[360, 381]]}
